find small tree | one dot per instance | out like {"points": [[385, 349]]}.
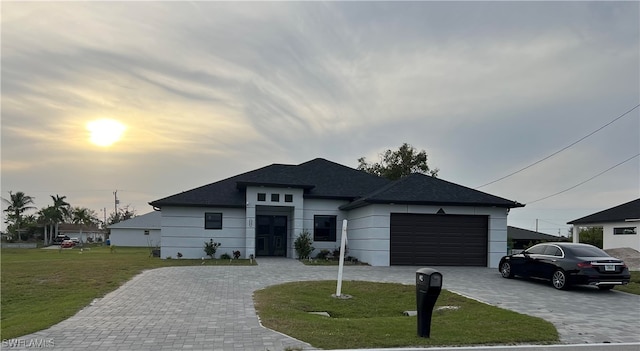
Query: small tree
{"points": [[211, 247], [400, 163], [303, 245]]}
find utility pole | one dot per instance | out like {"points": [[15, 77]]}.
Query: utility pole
{"points": [[536, 225], [115, 201]]}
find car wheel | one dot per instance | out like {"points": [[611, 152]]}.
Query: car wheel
{"points": [[559, 280], [605, 287], [505, 270]]}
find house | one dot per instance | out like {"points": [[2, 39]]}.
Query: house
{"points": [[417, 220], [520, 238], [141, 230], [81, 231], [619, 225]]}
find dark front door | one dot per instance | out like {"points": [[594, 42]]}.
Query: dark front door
{"points": [[271, 235]]}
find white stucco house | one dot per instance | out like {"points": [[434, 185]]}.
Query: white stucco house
{"points": [[81, 231], [417, 220], [619, 225], [141, 231]]}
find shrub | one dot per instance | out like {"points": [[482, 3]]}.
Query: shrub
{"points": [[225, 256], [322, 255], [303, 244], [236, 254], [211, 247]]}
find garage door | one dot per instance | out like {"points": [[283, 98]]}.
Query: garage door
{"points": [[438, 240]]}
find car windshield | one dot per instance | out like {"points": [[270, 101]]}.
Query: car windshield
{"points": [[588, 251]]}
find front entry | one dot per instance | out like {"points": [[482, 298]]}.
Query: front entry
{"points": [[271, 235]]}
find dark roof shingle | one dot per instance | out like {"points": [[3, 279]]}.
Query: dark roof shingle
{"points": [[321, 178], [620, 213]]}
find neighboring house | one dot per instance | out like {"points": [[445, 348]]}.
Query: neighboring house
{"points": [[619, 225], [417, 220], [141, 230], [523, 238], [81, 231]]}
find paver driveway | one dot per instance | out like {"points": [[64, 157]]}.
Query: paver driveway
{"points": [[211, 307]]}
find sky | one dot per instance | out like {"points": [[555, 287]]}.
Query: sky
{"points": [[208, 90]]}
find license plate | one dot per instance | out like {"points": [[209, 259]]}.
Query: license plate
{"points": [[609, 268]]}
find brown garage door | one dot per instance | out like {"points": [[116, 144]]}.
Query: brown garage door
{"points": [[438, 240]]}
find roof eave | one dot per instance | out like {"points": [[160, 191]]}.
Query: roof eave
{"points": [[362, 203], [177, 204]]}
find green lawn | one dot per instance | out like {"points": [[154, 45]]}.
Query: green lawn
{"points": [[374, 317], [40, 288], [634, 285]]}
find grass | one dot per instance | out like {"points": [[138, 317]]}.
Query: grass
{"points": [[634, 285], [373, 317], [40, 288], [323, 262]]}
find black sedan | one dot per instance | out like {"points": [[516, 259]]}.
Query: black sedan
{"points": [[566, 264]]}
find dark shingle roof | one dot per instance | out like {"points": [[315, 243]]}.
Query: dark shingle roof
{"points": [[620, 213], [321, 178], [516, 233], [420, 189]]}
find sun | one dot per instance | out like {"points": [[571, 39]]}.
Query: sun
{"points": [[105, 132]]}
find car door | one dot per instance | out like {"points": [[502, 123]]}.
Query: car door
{"points": [[548, 262], [532, 257]]}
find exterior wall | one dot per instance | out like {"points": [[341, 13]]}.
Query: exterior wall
{"points": [[368, 227], [134, 237], [611, 241], [368, 234], [293, 211], [183, 231], [369, 230], [313, 207]]}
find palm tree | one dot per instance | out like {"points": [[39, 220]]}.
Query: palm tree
{"points": [[62, 210], [17, 204], [84, 217], [48, 216]]}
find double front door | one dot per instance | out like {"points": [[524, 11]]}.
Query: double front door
{"points": [[271, 235]]}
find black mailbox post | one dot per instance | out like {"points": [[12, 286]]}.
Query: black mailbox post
{"points": [[428, 286]]}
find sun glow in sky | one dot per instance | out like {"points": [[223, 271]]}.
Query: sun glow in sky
{"points": [[222, 88], [105, 132]]}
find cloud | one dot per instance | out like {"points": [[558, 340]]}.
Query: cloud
{"points": [[211, 89]]}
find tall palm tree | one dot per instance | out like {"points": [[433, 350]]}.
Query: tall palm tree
{"points": [[84, 217], [48, 216], [17, 204], [62, 210]]}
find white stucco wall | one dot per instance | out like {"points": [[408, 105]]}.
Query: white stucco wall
{"points": [[369, 230], [320, 207], [134, 237], [611, 241], [183, 231], [293, 211]]}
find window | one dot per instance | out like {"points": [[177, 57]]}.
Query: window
{"points": [[324, 228], [275, 197], [537, 250], [288, 198], [552, 251], [262, 197], [624, 231], [212, 220], [146, 232]]}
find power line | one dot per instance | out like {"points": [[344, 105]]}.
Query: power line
{"points": [[577, 185], [559, 151]]}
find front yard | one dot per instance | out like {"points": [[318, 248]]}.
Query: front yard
{"points": [[40, 288]]}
